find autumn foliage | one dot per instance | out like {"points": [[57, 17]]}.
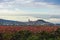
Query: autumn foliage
{"points": [[29, 33], [30, 28]]}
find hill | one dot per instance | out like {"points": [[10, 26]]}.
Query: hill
{"points": [[10, 22]]}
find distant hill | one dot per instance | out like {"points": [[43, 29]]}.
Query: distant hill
{"points": [[38, 22], [10, 22]]}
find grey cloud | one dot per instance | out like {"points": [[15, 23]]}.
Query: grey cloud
{"points": [[2, 1]]}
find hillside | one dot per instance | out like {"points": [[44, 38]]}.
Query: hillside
{"points": [[38, 22]]}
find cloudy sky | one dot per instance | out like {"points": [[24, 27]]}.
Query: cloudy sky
{"points": [[33, 9]]}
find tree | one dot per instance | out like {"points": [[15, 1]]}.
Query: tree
{"points": [[1, 36], [7, 36], [21, 35], [33, 37]]}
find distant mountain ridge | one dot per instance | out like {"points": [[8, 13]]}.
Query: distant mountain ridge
{"points": [[10, 22]]}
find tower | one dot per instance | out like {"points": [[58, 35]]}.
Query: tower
{"points": [[28, 20]]}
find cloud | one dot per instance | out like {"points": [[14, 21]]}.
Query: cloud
{"points": [[6, 1], [54, 2], [5, 12], [54, 20], [28, 3], [34, 4], [19, 18], [19, 7]]}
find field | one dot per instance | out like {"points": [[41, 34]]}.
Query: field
{"points": [[29, 32], [30, 28]]}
